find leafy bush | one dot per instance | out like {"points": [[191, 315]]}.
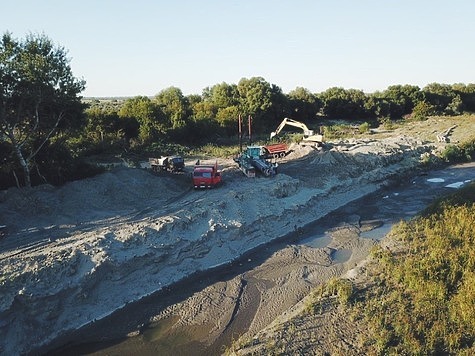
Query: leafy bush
{"points": [[342, 288], [211, 150], [387, 123], [422, 111], [464, 152], [55, 165], [364, 128], [453, 154]]}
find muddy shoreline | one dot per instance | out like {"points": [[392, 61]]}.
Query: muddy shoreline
{"points": [[77, 253], [135, 318], [154, 317]]}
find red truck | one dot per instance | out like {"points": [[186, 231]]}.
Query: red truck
{"points": [[206, 176], [275, 150]]}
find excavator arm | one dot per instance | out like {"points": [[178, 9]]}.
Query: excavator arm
{"points": [[294, 123]]}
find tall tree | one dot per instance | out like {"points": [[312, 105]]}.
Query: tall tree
{"points": [[439, 96], [303, 104], [38, 96], [255, 96], [340, 103], [222, 95], [175, 106], [402, 99], [147, 113], [467, 94]]}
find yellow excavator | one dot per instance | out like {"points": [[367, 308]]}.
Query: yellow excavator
{"points": [[309, 136]]}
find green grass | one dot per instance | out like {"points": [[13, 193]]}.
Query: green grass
{"points": [[339, 131], [420, 296], [423, 297], [211, 150]]}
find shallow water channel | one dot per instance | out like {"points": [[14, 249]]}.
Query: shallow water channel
{"points": [[391, 205], [380, 210]]}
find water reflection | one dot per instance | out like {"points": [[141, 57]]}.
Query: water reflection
{"points": [[341, 256]]}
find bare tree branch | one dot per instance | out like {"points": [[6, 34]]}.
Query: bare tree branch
{"points": [[33, 154]]}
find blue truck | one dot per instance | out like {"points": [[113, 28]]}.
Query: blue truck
{"points": [[257, 159]]}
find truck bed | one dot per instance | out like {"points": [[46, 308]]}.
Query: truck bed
{"points": [[279, 149]]}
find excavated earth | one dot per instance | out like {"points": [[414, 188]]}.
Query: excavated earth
{"points": [[74, 254]]}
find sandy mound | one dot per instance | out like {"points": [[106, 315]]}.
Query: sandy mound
{"points": [[77, 253]]}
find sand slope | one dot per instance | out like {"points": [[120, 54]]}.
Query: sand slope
{"points": [[77, 253]]}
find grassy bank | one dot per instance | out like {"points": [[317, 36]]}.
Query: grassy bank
{"points": [[420, 295], [416, 296]]}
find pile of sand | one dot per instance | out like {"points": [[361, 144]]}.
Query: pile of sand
{"points": [[77, 253]]}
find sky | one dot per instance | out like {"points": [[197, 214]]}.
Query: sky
{"points": [[141, 47]]}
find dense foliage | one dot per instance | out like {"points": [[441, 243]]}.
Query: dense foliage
{"points": [[39, 103], [41, 110], [213, 115]]}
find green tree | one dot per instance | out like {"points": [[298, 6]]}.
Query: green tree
{"points": [[255, 96], [339, 103], [402, 99], [175, 106], [303, 104], [456, 106], [279, 109], [105, 130], [378, 106], [423, 110], [228, 119], [222, 95], [467, 94], [100, 123], [439, 96], [203, 124], [217, 98], [204, 110], [147, 113], [38, 96]]}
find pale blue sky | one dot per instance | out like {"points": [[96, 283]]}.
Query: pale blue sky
{"points": [[129, 48]]}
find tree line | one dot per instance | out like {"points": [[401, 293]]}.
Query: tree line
{"points": [[46, 127], [196, 119]]}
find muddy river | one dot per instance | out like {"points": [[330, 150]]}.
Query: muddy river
{"points": [[129, 330]]}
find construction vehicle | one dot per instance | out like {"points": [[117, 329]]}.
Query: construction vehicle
{"points": [[309, 136], [256, 158], [276, 150], [253, 159], [206, 175], [172, 164]]}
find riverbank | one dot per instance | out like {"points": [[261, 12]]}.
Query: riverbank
{"points": [[401, 300], [77, 253], [259, 286]]}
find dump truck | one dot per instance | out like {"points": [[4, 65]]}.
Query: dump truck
{"points": [[276, 150], [206, 175], [167, 163], [254, 159]]}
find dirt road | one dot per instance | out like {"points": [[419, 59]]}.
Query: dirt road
{"points": [[75, 254]]}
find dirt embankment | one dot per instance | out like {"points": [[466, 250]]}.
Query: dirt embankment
{"points": [[77, 253]]}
